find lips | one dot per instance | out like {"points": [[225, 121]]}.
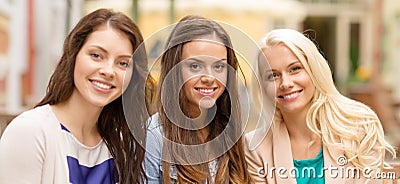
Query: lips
{"points": [[206, 91], [102, 85], [291, 95]]}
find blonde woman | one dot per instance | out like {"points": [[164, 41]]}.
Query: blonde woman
{"points": [[317, 134]]}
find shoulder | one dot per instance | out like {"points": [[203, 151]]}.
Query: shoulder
{"points": [[154, 126], [40, 117], [31, 131], [258, 151], [153, 122], [258, 146], [257, 139], [29, 144], [35, 125], [154, 133]]}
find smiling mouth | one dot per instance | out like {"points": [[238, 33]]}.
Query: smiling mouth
{"points": [[206, 90], [101, 85], [291, 95]]}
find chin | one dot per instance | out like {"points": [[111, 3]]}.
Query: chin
{"points": [[207, 102]]}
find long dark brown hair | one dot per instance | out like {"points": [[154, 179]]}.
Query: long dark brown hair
{"points": [[232, 166], [112, 124]]}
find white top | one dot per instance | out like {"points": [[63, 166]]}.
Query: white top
{"points": [[36, 148]]}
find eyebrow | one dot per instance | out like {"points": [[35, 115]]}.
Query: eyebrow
{"points": [[201, 61], [291, 64], [104, 50]]}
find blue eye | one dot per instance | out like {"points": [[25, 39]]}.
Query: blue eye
{"points": [[272, 76], [194, 66], [95, 56], [295, 68], [124, 64], [219, 67]]}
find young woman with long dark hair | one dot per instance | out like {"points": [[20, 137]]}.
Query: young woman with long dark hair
{"points": [[78, 133]]}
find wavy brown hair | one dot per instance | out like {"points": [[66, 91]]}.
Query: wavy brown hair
{"points": [[232, 167], [112, 124]]}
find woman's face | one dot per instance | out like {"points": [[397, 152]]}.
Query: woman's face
{"points": [[204, 70], [293, 87], [101, 66]]}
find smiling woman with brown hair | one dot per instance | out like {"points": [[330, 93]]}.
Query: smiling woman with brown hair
{"points": [[196, 135], [78, 133]]}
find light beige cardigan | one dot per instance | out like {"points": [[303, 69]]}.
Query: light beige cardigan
{"points": [[275, 152], [31, 150]]}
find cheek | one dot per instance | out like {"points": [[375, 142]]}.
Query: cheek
{"points": [[186, 76], [221, 78], [270, 89], [306, 80], [83, 66], [189, 84], [124, 78], [308, 85], [77, 71]]}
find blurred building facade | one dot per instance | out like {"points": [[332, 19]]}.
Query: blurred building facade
{"points": [[358, 37], [31, 34]]}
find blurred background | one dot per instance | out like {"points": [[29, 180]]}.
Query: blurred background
{"points": [[359, 38]]}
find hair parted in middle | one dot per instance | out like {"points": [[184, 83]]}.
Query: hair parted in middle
{"points": [[232, 166], [112, 125]]}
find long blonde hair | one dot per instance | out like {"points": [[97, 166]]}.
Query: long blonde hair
{"points": [[341, 122]]}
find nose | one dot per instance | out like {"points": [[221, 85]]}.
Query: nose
{"points": [[286, 82], [208, 75], [207, 79], [107, 69]]}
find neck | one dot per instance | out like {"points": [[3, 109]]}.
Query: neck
{"points": [[80, 119], [200, 120], [296, 124], [305, 144]]}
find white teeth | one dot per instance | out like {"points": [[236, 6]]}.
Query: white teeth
{"points": [[101, 85], [206, 90], [291, 95]]}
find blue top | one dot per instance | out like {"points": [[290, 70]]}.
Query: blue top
{"points": [[153, 155], [310, 171], [36, 148]]}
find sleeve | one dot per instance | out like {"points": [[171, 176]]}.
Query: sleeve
{"points": [[153, 155], [22, 149], [255, 166]]}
